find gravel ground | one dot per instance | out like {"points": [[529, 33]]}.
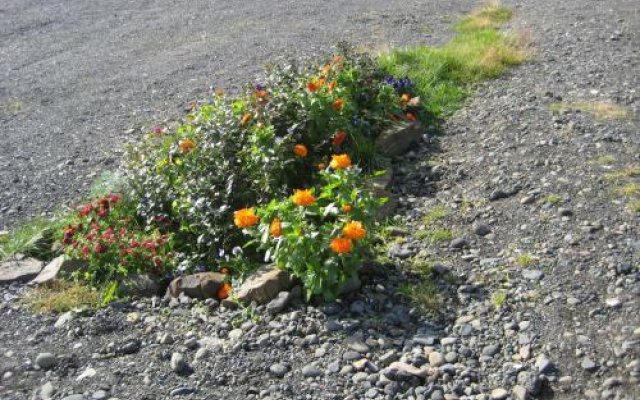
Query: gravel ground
{"points": [[539, 284], [76, 76]]}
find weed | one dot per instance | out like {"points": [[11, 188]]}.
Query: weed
{"points": [[630, 171], [634, 206], [489, 17], [552, 199], [30, 239], [600, 110], [61, 296], [629, 190], [435, 214], [437, 235], [424, 294], [606, 159], [498, 298]]}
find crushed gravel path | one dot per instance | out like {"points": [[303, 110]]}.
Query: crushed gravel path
{"points": [[76, 76]]}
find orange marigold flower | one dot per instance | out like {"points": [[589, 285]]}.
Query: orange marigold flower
{"points": [[338, 104], [410, 116], [354, 230], [339, 138], [300, 150], [326, 69], [186, 145], [341, 245], [275, 228], [245, 119], [224, 290], [332, 85], [314, 85], [245, 218], [347, 208], [303, 197], [340, 161], [405, 98]]}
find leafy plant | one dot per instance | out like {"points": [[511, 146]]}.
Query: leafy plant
{"points": [[320, 234]]}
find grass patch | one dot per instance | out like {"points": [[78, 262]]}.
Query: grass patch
{"points": [[442, 75], [601, 110], [435, 214], [30, 239], [60, 296], [630, 171], [552, 199], [435, 235], [490, 17], [606, 159], [525, 260], [498, 298], [424, 294], [634, 206], [629, 190]]}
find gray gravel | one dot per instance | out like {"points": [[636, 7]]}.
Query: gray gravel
{"points": [[76, 76]]}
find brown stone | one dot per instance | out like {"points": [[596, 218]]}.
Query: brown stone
{"points": [[264, 285], [398, 139], [19, 270], [202, 285]]}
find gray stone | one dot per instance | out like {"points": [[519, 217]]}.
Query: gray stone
{"points": [[436, 359], [53, 269], [458, 243], [397, 139], [99, 395], [74, 397], [371, 393], [264, 285], [532, 274], [202, 285], [389, 357], [47, 391], [46, 361], [139, 285], [278, 370], [482, 229], [19, 270], [179, 364], [279, 303], [359, 377], [356, 344], [491, 350], [311, 371], [499, 394], [543, 364], [182, 391], [400, 370], [519, 393], [588, 365]]}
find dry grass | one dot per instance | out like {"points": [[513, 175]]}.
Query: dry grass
{"points": [[601, 110], [629, 190], [491, 16], [630, 171], [60, 296]]}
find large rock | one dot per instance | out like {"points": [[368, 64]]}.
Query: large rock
{"points": [[264, 285], [19, 270], [57, 265], [400, 371], [141, 285], [398, 139], [202, 285]]}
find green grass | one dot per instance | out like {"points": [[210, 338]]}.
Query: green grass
{"points": [[552, 199], [435, 214], [443, 75], [634, 206], [630, 171], [30, 239], [603, 160], [498, 298], [435, 235], [61, 296], [525, 260], [424, 294], [629, 190]]}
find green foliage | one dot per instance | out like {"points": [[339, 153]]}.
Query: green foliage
{"points": [[525, 260], [106, 235], [442, 75], [320, 239], [32, 239], [498, 298]]}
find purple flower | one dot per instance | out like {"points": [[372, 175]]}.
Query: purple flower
{"points": [[260, 86]]}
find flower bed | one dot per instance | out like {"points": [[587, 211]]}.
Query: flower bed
{"points": [[276, 174]]}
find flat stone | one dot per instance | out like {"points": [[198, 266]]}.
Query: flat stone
{"points": [[499, 394], [203, 285], [52, 270], [311, 371], [46, 361], [279, 303], [398, 369], [436, 359], [355, 344], [482, 229], [398, 139], [278, 370], [264, 285], [519, 393], [74, 397], [47, 391], [22, 270], [588, 365], [179, 364], [182, 391], [532, 274], [613, 302]]}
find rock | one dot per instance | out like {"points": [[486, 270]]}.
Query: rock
{"points": [[532, 274], [311, 371], [99, 395], [74, 397], [380, 186], [166, 338], [182, 391], [397, 140], [613, 302], [19, 270], [64, 319], [279, 303], [482, 230], [202, 285], [140, 285], [87, 373], [202, 354], [278, 370], [264, 285], [356, 344], [351, 285], [543, 364], [588, 365], [611, 382], [389, 357], [46, 361], [59, 264], [491, 350], [458, 243], [436, 359], [235, 334], [47, 391], [519, 393], [129, 347], [401, 371], [179, 365], [499, 394]]}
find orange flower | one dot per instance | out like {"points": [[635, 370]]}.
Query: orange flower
{"points": [[300, 150], [262, 93], [341, 245], [347, 208], [339, 138], [224, 271], [186, 145], [337, 105], [275, 228], [315, 84], [245, 119], [405, 98], [224, 290], [354, 230], [340, 161], [410, 116], [303, 197], [326, 69], [245, 218], [332, 85]]}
